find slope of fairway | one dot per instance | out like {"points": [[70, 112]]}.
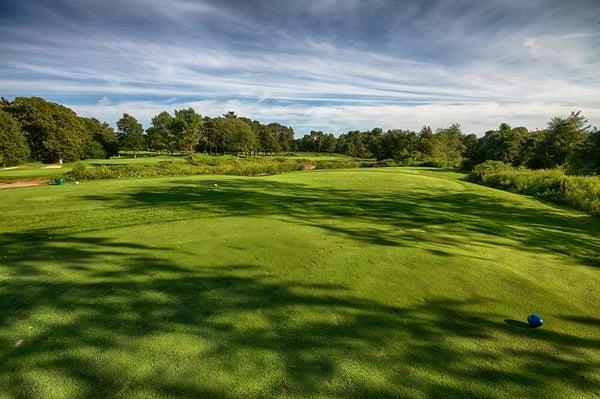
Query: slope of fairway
{"points": [[348, 283]]}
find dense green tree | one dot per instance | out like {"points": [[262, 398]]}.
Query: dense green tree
{"points": [[328, 143], [160, 134], [560, 140], [585, 159], [451, 144], [50, 132], [470, 142], [357, 144], [505, 144], [101, 139], [131, 133], [428, 145], [187, 125], [398, 144], [13, 144], [267, 140], [231, 134], [284, 136], [54, 132]]}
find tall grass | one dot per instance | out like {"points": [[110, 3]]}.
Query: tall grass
{"points": [[578, 192]]}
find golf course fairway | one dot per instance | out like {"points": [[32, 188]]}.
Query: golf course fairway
{"points": [[391, 282]]}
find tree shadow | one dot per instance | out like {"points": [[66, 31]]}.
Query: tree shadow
{"points": [[394, 218], [517, 323], [147, 327]]}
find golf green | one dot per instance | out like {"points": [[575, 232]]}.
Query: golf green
{"points": [[393, 282]]}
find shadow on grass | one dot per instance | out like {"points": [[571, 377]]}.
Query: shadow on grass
{"points": [[433, 218], [146, 327], [517, 323]]}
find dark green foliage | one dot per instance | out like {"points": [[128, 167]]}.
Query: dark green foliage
{"points": [[266, 138], [505, 144], [230, 134], [93, 150], [208, 165], [284, 136], [317, 141], [487, 168], [101, 139], [186, 126], [338, 164], [428, 146], [406, 147], [559, 141], [396, 144], [451, 144], [131, 134], [582, 193], [470, 142], [160, 134], [13, 144], [54, 132], [358, 144], [198, 165], [78, 171], [585, 160]]}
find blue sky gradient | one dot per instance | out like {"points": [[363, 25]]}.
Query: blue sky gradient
{"points": [[332, 65]]}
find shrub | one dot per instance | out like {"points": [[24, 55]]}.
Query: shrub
{"points": [[78, 170], [487, 168], [578, 192], [196, 166], [337, 164]]}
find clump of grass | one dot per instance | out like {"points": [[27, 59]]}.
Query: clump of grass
{"points": [[237, 167], [208, 165], [578, 192]]}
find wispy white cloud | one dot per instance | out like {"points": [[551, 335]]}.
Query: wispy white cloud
{"points": [[475, 63]]}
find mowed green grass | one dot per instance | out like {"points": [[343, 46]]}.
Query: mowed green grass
{"points": [[38, 170], [31, 171], [347, 283]]}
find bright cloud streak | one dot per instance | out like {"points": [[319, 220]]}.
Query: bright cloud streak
{"points": [[329, 65]]}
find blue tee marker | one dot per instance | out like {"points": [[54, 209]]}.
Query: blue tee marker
{"points": [[535, 321]]}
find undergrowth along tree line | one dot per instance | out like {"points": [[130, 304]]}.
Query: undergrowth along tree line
{"points": [[32, 128], [204, 165], [578, 192]]}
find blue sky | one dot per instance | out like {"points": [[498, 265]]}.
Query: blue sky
{"points": [[332, 65]]}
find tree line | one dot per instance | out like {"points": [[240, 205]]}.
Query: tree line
{"points": [[32, 128]]}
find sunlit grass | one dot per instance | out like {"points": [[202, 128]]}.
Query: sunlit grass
{"points": [[392, 282]]}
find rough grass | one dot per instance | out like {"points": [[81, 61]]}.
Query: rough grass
{"points": [[578, 192], [358, 283], [38, 170]]}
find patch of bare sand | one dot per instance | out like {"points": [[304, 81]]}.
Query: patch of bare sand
{"points": [[22, 183]]}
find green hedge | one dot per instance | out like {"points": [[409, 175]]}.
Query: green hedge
{"points": [[205, 165], [337, 164], [578, 192], [238, 167]]}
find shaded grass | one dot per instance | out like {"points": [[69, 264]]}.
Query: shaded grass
{"points": [[362, 283]]}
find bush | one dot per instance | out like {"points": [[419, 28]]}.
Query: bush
{"points": [[78, 171], [578, 192], [93, 150], [337, 164], [487, 168], [196, 166]]}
